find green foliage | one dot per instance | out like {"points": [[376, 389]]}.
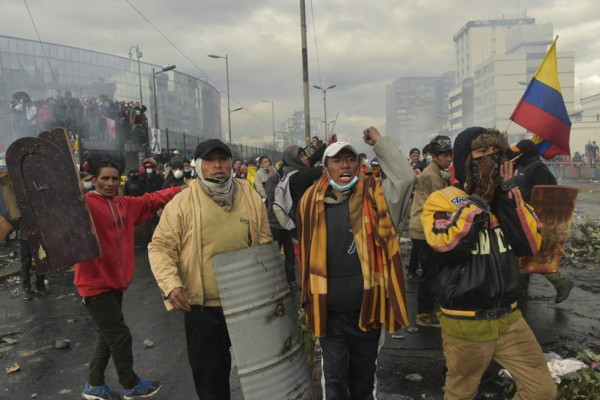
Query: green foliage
{"points": [[581, 384], [591, 242], [306, 336]]}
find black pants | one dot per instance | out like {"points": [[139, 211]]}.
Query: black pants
{"points": [[429, 261], [349, 358], [26, 265], [114, 339], [413, 264], [208, 352], [284, 238]]}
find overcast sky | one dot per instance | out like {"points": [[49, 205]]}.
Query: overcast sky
{"points": [[362, 45]]}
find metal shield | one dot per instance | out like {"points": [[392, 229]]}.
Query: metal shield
{"points": [[554, 206], [262, 322], [46, 185]]}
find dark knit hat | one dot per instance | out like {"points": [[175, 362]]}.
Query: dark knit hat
{"points": [[471, 139], [525, 147], [176, 162], [209, 145]]}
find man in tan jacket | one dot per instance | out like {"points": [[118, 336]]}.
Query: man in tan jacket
{"points": [[217, 214], [434, 177]]}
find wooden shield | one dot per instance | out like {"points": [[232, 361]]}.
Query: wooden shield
{"points": [[554, 206], [53, 209]]}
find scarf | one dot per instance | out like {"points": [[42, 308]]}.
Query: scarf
{"points": [[384, 300], [223, 194]]}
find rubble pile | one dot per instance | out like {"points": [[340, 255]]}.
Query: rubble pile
{"points": [[583, 246]]}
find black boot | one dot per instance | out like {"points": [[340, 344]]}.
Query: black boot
{"points": [[563, 291]]}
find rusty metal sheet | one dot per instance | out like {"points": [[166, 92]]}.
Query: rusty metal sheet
{"points": [[554, 205], [262, 322], [53, 209]]}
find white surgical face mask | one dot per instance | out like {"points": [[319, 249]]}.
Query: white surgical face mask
{"points": [[430, 159], [88, 185], [187, 169], [178, 174], [149, 170]]}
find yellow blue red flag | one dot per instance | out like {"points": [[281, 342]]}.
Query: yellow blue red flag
{"points": [[542, 109]]}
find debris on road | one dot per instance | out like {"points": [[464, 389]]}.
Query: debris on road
{"points": [[414, 378], [13, 368], [148, 343], [576, 378], [62, 343], [9, 340]]}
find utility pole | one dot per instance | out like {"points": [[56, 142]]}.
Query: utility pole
{"points": [[305, 72]]}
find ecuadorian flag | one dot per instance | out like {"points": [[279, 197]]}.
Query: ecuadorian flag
{"points": [[542, 109]]}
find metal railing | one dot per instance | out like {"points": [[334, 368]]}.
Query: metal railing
{"points": [[574, 170]]}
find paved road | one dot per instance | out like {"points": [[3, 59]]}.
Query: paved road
{"points": [[60, 374]]}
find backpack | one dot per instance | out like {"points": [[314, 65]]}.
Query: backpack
{"points": [[282, 204]]}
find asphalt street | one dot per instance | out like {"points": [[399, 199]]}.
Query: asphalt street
{"points": [[50, 373]]}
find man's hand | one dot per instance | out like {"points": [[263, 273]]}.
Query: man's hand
{"points": [[507, 172], [331, 139], [371, 136], [179, 299]]}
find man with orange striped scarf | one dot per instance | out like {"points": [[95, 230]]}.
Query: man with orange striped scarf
{"points": [[352, 281]]}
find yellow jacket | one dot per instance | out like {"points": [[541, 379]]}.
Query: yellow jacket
{"points": [[175, 252]]}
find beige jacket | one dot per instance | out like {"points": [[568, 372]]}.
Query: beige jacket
{"points": [[430, 180], [175, 251]]}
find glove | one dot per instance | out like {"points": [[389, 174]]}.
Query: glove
{"points": [[486, 176]]}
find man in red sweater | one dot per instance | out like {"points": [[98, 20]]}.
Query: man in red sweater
{"points": [[102, 281]]}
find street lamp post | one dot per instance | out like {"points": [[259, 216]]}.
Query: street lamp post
{"points": [[228, 103], [138, 55], [154, 73], [232, 111], [324, 104], [272, 117]]}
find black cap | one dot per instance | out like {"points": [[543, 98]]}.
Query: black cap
{"points": [[440, 144], [209, 145], [176, 162]]}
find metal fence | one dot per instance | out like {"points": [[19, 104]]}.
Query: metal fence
{"points": [[574, 170], [186, 144]]}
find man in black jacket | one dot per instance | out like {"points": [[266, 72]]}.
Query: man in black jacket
{"points": [[533, 172], [481, 226]]}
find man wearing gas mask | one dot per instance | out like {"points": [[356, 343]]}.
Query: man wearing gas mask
{"points": [[481, 225]]}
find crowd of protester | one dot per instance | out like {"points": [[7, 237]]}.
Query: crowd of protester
{"points": [[348, 259], [86, 117]]}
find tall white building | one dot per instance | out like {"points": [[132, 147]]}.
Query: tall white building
{"points": [[495, 60]]}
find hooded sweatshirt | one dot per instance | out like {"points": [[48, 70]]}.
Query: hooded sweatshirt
{"points": [[115, 219]]}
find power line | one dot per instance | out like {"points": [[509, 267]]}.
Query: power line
{"points": [[196, 66], [43, 48], [312, 13]]}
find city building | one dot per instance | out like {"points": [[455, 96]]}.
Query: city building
{"points": [[44, 71], [495, 60], [417, 108]]}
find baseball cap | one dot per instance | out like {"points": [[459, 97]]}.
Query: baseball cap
{"points": [[209, 145], [334, 148]]}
